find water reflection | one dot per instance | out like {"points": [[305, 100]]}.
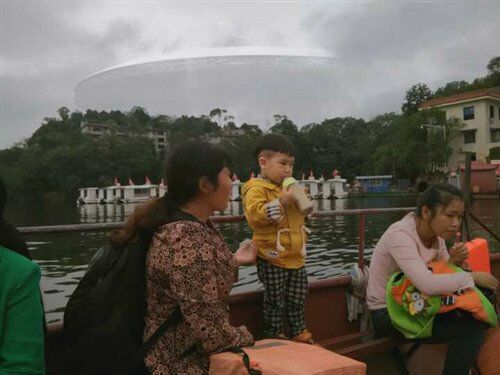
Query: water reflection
{"points": [[332, 248], [104, 213], [63, 260]]}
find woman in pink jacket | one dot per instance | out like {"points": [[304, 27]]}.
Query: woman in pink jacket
{"points": [[407, 246]]}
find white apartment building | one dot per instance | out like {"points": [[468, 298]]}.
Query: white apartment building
{"points": [[480, 111]]}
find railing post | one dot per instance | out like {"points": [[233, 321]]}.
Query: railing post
{"points": [[361, 243]]}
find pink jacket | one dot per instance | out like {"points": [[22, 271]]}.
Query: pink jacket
{"points": [[400, 249]]}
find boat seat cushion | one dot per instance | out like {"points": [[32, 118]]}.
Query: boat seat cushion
{"points": [[283, 357]]}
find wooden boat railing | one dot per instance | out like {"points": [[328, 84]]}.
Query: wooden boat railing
{"points": [[237, 218], [227, 219]]}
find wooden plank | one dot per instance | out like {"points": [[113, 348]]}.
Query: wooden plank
{"points": [[370, 347], [341, 341]]}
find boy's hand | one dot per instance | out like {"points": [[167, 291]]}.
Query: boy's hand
{"points": [[247, 253], [287, 198]]}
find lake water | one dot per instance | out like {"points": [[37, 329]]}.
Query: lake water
{"points": [[332, 248]]}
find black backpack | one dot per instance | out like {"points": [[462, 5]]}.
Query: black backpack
{"points": [[104, 318]]}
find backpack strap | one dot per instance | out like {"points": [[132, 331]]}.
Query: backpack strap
{"points": [[172, 320], [175, 319]]}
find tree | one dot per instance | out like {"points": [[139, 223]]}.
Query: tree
{"points": [[284, 126], [64, 113], [333, 144], [161, 122], [415, 96], [494, 153], [192, 128], [378, 131], [494, 66], [253, 129], [411, 150], [454, 87], [241, 149], [138, 119], [118, 117], [221, 117], [75, 119]]}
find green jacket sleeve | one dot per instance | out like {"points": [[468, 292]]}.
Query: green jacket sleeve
{"points": [[22, 342]]}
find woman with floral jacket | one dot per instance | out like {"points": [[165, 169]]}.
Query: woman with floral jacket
{"points": [[189, 266]]}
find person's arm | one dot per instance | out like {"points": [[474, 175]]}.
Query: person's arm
{"points": [[459, 253], [258, 211], [194, 285], [22, 344], [246, 254], [404, 251]]}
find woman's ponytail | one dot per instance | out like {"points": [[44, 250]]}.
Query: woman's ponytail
{"points": [[187, 164], [143, 222]]}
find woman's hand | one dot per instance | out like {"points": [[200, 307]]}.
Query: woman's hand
{"points": [[247, 253], [458, 253], [485, 279], [246, 338]]}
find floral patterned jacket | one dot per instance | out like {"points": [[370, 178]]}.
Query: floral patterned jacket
{"points": [[190, 266]]}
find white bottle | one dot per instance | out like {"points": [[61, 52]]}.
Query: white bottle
{"points": [[304, 204]]}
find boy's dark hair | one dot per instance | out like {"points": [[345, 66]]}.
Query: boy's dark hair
{"points": [[439, 194], [274, 142]]}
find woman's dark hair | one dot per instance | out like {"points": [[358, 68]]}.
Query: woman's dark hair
{"points": [[185, 166], [10, 237], [3, 197], [274, 142], [439, 194]]}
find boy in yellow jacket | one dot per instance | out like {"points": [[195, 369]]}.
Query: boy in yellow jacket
{"points": [[280, 233]]}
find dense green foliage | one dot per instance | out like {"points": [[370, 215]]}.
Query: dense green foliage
{"points": [[58, 157]]}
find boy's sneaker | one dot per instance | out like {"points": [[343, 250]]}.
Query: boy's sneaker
{"points": [[305, 337]]}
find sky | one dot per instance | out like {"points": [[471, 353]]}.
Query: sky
{"points": [[47, 47]]}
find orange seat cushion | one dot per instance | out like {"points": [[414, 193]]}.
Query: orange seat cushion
{"points": [[283, 357]]}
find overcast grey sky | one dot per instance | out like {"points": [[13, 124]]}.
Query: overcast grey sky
{"points": [[47, 47]]}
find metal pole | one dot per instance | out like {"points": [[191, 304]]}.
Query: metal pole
{"points": [[445, 150], [361, 243], [467, 190], [468, 195]]}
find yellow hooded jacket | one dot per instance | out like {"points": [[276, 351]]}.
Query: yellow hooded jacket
{"points": [[280, 243]]}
